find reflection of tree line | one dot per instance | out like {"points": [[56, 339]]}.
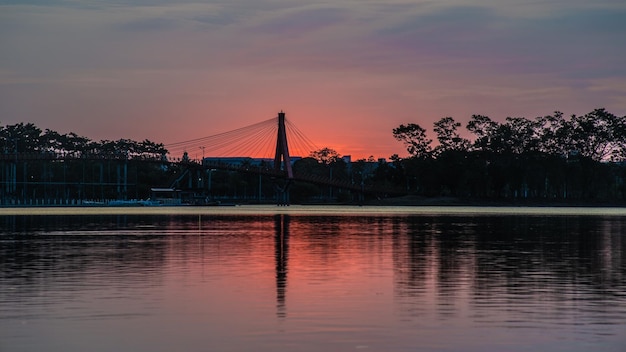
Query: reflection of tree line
{"points": [[46, 223], [45, 251], [448, 256], [514, 256], [31, 247]]}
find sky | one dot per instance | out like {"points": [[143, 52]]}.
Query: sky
{"points": [[345, 72]]}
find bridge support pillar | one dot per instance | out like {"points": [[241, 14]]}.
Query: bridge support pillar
{"points": [[282, 193], [282, 158]]}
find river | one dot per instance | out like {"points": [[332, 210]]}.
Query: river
{"points": [[266, 278]]}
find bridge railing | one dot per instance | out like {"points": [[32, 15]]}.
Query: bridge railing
{"points": [[314, 179]]}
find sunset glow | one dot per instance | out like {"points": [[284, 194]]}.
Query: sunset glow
{"points": [[345, 72]]}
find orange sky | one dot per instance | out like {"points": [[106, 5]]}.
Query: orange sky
{"points": [[346, 72]]}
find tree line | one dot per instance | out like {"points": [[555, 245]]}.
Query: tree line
{"points": [[580, 157], [28, 138], [88, 169]]}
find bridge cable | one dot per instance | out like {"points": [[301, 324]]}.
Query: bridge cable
{"points": [[256, 140], [301, 141], [225, 143]]}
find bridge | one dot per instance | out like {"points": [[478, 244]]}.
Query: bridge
{"points": [[37, 178]]}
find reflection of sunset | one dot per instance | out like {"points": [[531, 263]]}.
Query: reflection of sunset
{"points": [[312, 282], [333, 265]]}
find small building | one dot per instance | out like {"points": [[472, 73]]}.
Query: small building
{"points": [[166, 196]]}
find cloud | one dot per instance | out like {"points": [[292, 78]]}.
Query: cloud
{"points": [[299, 22]]}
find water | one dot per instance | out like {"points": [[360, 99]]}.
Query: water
{"points": [[312, 279]]}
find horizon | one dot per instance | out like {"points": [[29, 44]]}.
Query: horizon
{"points": [[303, 148]]}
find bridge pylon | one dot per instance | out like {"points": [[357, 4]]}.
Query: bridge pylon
{"points": [[282, 162], [282, 149]]}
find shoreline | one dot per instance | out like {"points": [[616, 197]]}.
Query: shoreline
{"points": [[319, 210], [407, 200], [455, 201]]}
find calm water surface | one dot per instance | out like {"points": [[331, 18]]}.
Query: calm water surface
{"points": [[373, 281]]}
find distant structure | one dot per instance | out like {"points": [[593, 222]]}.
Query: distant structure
{"points": [[282, 149], [282, 162], [243, 160]]}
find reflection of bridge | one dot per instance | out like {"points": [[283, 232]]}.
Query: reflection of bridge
{"points": [[38, 173], [281, 253]]}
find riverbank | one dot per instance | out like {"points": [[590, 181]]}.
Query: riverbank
{"points": [[455, 201], [402, 201], [317, 210]]}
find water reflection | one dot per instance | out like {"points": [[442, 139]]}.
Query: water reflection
{"points": [[232, 282], [537, 268], [281, 243]]}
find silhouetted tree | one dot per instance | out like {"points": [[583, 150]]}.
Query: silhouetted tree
{"points": [[599, 135], [21, 138], [448, 136], [325, 155], [555, 134], [413, 136]]}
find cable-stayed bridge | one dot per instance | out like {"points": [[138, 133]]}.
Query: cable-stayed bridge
{"points": [[266, 148], [274, 142], [258, 140]]}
